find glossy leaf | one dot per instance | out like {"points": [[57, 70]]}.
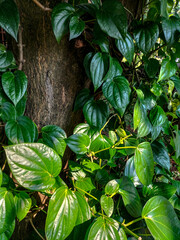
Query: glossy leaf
{"points": [[89, 166], [107, 205], [168, 69], [176, 81], [98, 69], [170, 27], [22, 130], [21, 106], [78, 143], [9, 17], [160, 155], [131, 142], [84, 184], [175, 201], [117, 93], [9, 231], [112, 187], [126, 46], [103, 229], [62, 214], [87, 62], [14, 85], [137, 115], [76, 27], [84, 213], [96, 113], [81, 99], [161, 219], [112, 19], [7, 209], [53, 136], [157, 116], [144, 163], [60, 19], [6, 59], [34, 165], [76, 170], [176, 140], [23, 204], [86, 129], [130, 197], [7, 112], [130, 171], [144, 127], [122, 234], [146, 36], [115, 69]]}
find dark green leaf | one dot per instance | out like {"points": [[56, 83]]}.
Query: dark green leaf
{"points": [[82, 97], [160, 155], [126, 46], [76, 27], [144, 163], [96, 113], [87, 62], [7, 209], [146, 36], [161, 219], [84, 184], [170, 27], [78, 143], [157, 116], [21, 106], [168, 69], [176, 81], [62, 214], [54, 136], [6, 59], [144, 127], [102, 176], [117, 93], [151, 67], [60, 19], [23, 204], [130, 171], [86, 129], [107, 205], [163, 8], [14, 85], [7, 112], [34, 165], [9, 17], [112, 19], [115, 69], [98, 69]]}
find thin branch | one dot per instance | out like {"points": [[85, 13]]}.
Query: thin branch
{"points": [[41, 6], [32, 224], [20, 45]]}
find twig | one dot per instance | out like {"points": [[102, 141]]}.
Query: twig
{"points": [[41, 6], [20, 45], [32, 224]]}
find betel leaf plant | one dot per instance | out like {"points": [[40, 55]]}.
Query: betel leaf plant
{"points": [[121, 184]]}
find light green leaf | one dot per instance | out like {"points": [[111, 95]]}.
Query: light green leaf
{"points": [[23, 204], [137, 115], [9, 231], [1, 177], [107, 205], [34, 165], [112, 187], [84, 184], [78, 143], [76, 27]]}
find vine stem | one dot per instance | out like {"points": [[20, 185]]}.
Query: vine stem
{"points": [[109, 120], [132, 222], [32, 224], [87, 193], [41, 6], [125, 147], [130, 232]]}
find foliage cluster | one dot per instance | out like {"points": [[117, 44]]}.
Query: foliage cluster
{"points": [[121, 184]]}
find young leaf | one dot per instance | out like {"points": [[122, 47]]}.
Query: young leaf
{"points": [[34, 165], [117, 92], [7, 112], [126, 46], [107, 205], [84, 212], [60, 19], [96, 113], [146, 36], [23, 204], [112, 187], [76, 27], [54, 136], [7, 209], [62, 214], [112, 19], [14, 85], [9, 17], [78, 143], [144, 163], [161, 219], [21, 130], [168, 69]]}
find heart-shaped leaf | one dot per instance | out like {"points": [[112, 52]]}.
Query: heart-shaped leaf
{"points": [[115, 69], [107, 205], [112, 187], [161, 219], [93, 133], [6, 59], [170, 27], [168, 69], [157, 116], [62, 214], [78, 143], [7, 112], [34, 165], [76, 27], [81, 99], [84, 184]]}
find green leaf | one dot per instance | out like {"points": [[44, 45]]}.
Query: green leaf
{"points": [[163, 8], [161, 219], [168, 69], [115, 69], [146, 36], [157, 89], [81, 99], [21, 106], [112, 19], [98, 69], [89, 166], [76, 27], [175, 201], [7, 112], [130, 171], [176, 81], [176, 143], [84, 212], [93, 133], [6, 59], [53, 136], [62, 214], [157, 116], [130, 197], [9, 231], [144, 127], [151, 67], [76, 170], [102, 176], [34, 165], [78, 143], [96, 113], [160, 155], [112, 187], [122, 234], [107, 205], [23, 204], [144, 163], [14, 85], [84, 184], [7, 209], [126, 46], [87, 62], [170, 27], [103, 229], [117, 93], [131, 142], [137, 115], [60, 19], [1, 177], [22, 130], [9, 17]]}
